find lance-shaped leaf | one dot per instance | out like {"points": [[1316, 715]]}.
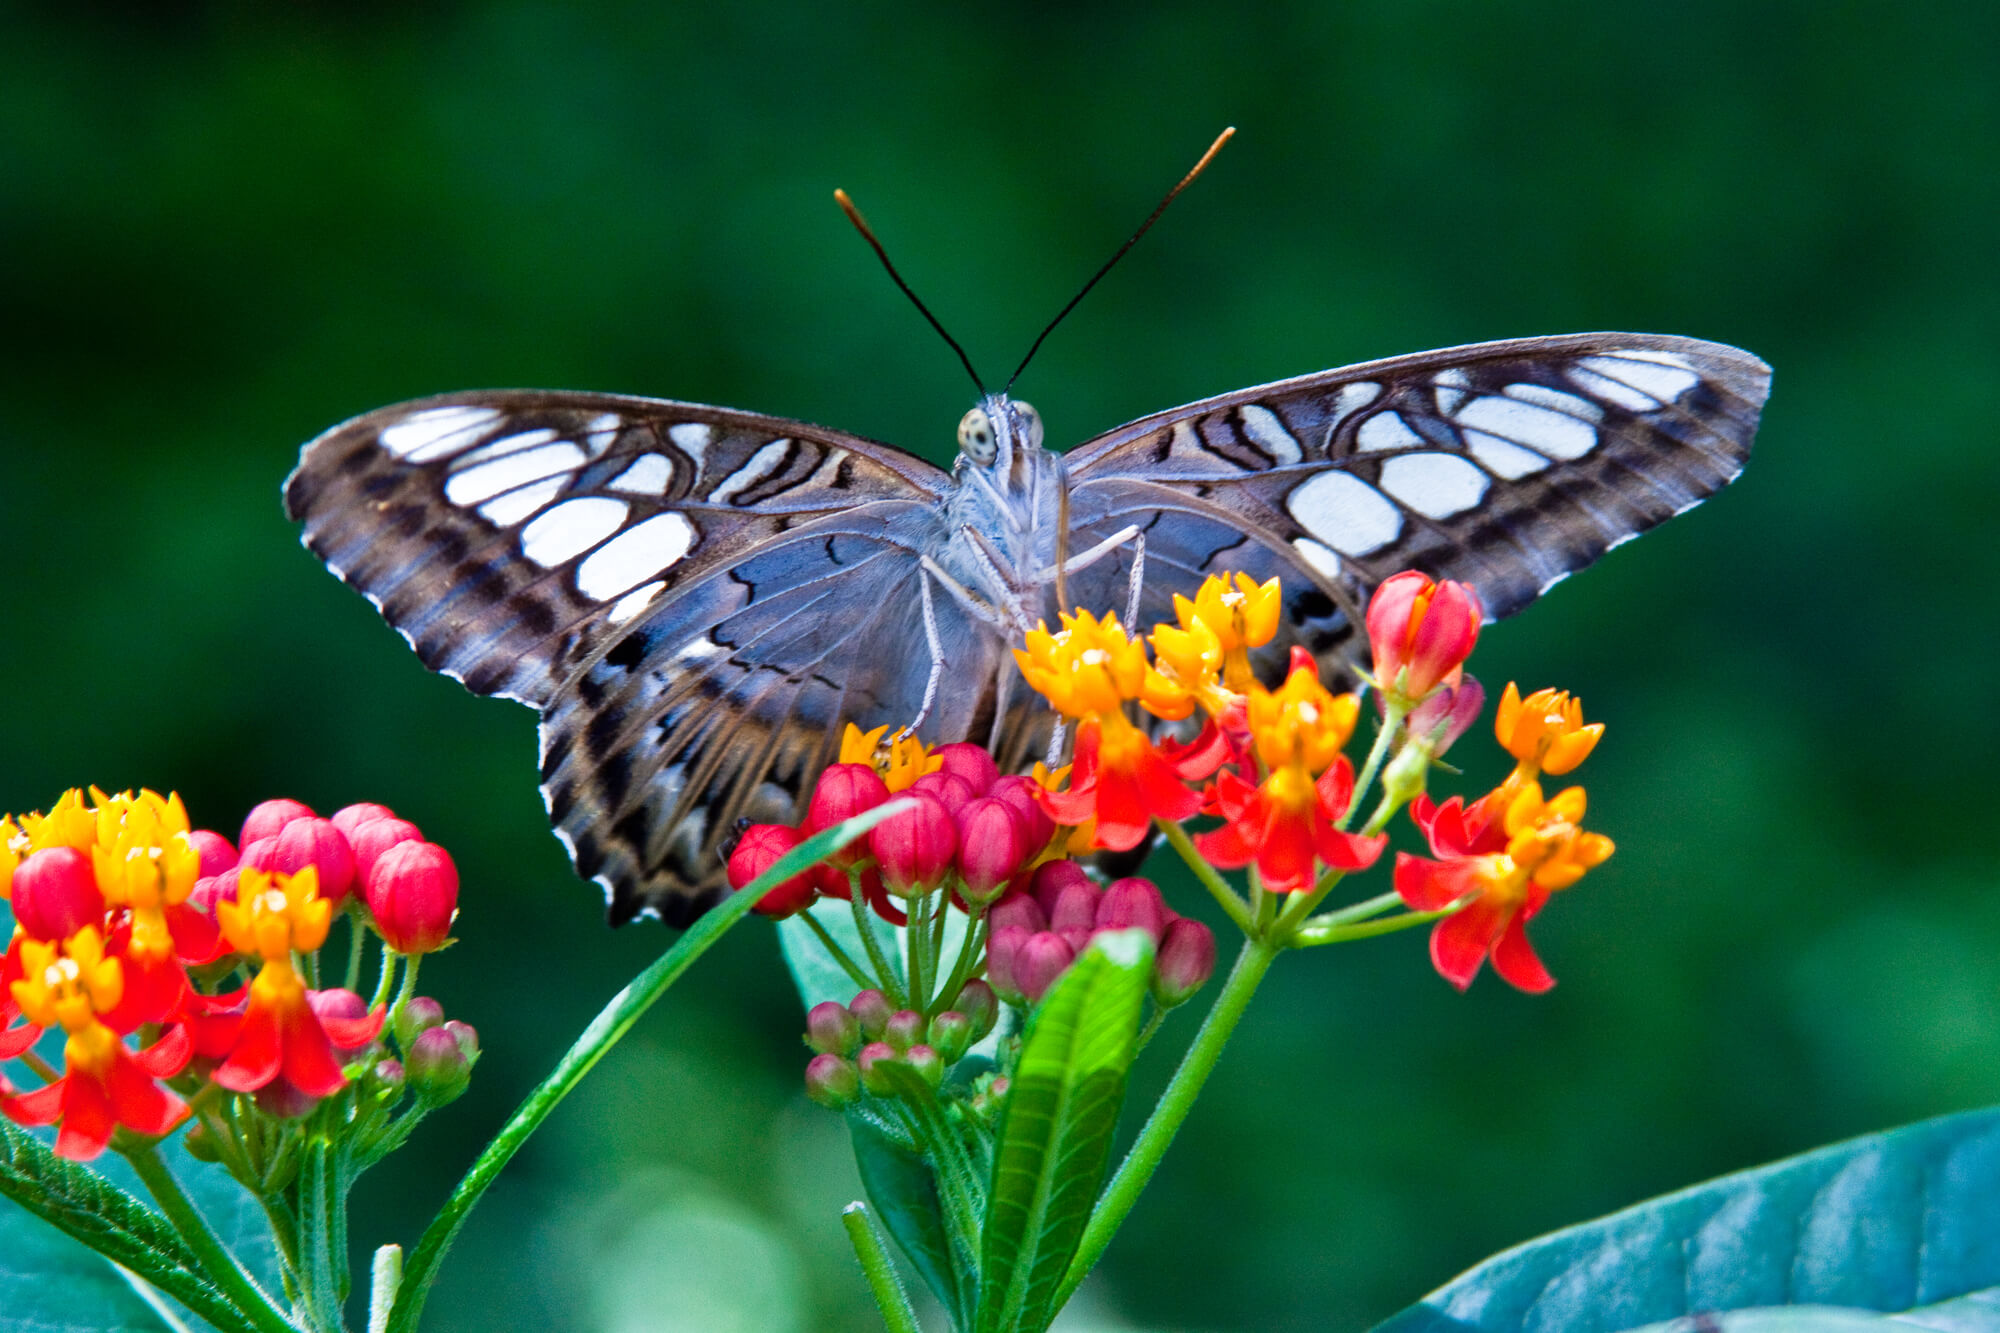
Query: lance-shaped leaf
{"points": [[1889, 1222], [1055, 1134]]}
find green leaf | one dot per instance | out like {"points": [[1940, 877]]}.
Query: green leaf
{"points": [[1055, 1134], [904, 1193], [1976, 1313], [1882, 1223]]}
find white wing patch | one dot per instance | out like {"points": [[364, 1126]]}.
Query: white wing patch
{"points": [[1353, 397], [761, 465], [1503, 458], [692, 438], [633, 602], [1451, 386], [571, 528], [1514, 420], [1435, 485], [1319, 557], [650, 474], [634, 555], [1268, 433], [483, 481], [1639, 380], [1345, 512], [435, 432], [1386, 430], [506, 510]]}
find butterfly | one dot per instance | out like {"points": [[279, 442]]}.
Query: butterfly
{"points": [[697, 599]]}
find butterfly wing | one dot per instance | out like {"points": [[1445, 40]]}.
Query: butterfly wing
{"points": [[691, 596], [1507, 465]]}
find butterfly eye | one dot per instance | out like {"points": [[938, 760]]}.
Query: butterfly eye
{"points": [[975, 437], [1027, 424]]}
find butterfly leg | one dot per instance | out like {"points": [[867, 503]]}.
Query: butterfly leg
{"points": [[980, 608], [1131, 534], [937, 661]]}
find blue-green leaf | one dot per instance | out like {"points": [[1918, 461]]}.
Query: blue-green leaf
{"points": [[1888, 1222], [905, 1196], [1055, 1134]]}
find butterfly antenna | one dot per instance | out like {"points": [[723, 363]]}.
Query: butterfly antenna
{"points": [[868, 235], [1186, 181]]}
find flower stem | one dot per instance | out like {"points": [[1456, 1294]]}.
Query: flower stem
{"points": [[385, 984], [1312, 934], [356, 937], [839, 955], [885, 974], [1123, 1192], [1392, 722], [217, 1262], [890, 1298], [408, 990], [611, 1023], [1218, 887]]}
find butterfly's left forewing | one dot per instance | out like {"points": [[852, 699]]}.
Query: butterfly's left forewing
{"points": [[1506, 465], [695, 598]]}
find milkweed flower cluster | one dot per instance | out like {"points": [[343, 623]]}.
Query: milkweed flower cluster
{"points": [[182, 971]]}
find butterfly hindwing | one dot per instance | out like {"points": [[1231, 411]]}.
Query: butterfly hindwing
{"points": [[1507, 465]]}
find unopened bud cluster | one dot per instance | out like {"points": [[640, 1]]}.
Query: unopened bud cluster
{"points": [[1037, 933], [857, 1043]]}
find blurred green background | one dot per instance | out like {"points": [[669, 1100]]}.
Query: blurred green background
{"points": [[224, 228]]}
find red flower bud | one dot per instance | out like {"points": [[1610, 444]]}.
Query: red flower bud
{"points": [[413, 894], [832, 1081], [212, 890], [978, 1003], [951, 1033], [1422, 627], [1185, 962], [1019, 792], [1450, 713], [217, 852], [1043, 958], [1003, 950], [871, 1009], [927, 1062], [56, 895], [281, 1099], [1133, 902], [914, 849], [266, 818], [259, 855], [1052, 877], [844, 791], [968, 761], [760, 848], [950, 788], [317, 843], [375, 837], [1075, 906], [904, 1029], [351, 817], [991, 846], [1017, 909], [832, 1029], [873, 1054]]}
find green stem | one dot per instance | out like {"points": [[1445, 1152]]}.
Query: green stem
{"points": [[320, 1202], [407, 991], [386, 983], [969, 950], [1392, 722], [1217, 886], [885, 974], [890, 1298], [1360, 911], [917, 936], [356, 937], [611, 1023], [847, 964], [219, 1265], [1314, 935], [1144, 1158]]}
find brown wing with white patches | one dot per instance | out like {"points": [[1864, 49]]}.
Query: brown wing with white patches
{"points": [[678, 588], [1508, 465]]}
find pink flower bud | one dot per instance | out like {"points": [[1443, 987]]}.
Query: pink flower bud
{"points": [[1019, 792], [970, 762], [281, 1099], [1043, 958], [217, 852], [467, 1037], [1003, 951], [873, 1054], [413, 894], [1017, 909], [337, 1002], [950, 788], [904, 1029], [259, 855], [927, 1062], [317, 843], [844, 791], [914, 849], [1185, 962], [266, 818], [1077, 937], [991, 846], [832, 1029], [1133, 902], [951, 1033], [375, 837], [1424, 628], [212, 890], [1075, 906], [56, 895], [351, 817], [760, 848], [437, 1067], [1052, 877], [1448, 714], [978, 1003], [871, 1009], [419, 1014], [832, 1081]]}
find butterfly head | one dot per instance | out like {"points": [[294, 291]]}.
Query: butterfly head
{"points": [[998, 431]]}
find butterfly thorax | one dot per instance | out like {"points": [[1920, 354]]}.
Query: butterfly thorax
{"points": [[1003, 517]]}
